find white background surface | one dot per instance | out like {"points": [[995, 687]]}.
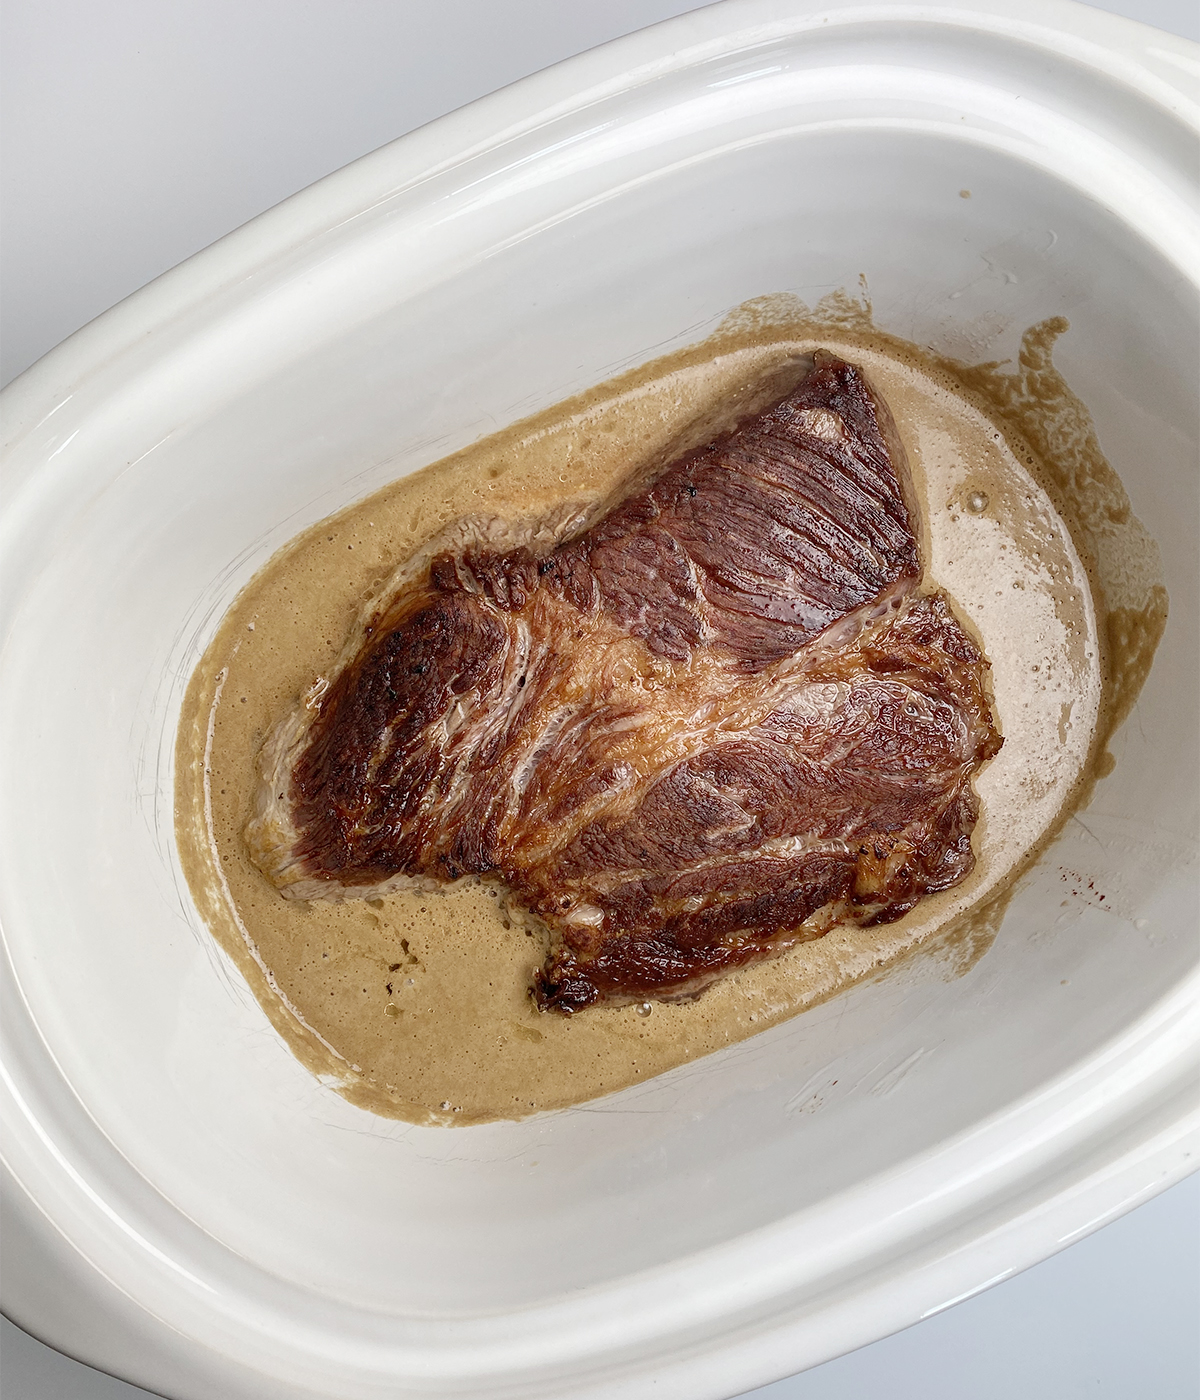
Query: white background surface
{"points": [[134, 134]]}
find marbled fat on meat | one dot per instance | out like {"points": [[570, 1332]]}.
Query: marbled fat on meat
{"points": [[688, 731]]}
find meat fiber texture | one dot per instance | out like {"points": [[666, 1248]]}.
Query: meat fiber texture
{"points": [[687, 729]]}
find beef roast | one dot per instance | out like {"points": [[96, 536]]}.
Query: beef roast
{"points": [[686, 730]]}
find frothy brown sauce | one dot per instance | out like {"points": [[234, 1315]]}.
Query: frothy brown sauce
{"points": [[416, 1006]]}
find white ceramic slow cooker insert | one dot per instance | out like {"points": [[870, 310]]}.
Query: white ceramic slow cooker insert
{"points": [[804, 1192]]}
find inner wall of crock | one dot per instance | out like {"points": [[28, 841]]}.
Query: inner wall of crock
{"points": [[161, 1039]]}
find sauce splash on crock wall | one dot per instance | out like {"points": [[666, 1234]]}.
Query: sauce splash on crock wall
{"points": [[416, 1006]]}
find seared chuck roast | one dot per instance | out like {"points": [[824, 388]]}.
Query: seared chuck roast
{"points": [[686, 730]]}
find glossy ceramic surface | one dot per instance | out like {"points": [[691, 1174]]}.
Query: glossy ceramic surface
{"points": [[819, 1185]]}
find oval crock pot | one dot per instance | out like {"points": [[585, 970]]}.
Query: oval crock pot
{"points": [[185, 1204]]}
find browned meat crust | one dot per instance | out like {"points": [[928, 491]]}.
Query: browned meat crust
{"points": [[712, 723]]}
